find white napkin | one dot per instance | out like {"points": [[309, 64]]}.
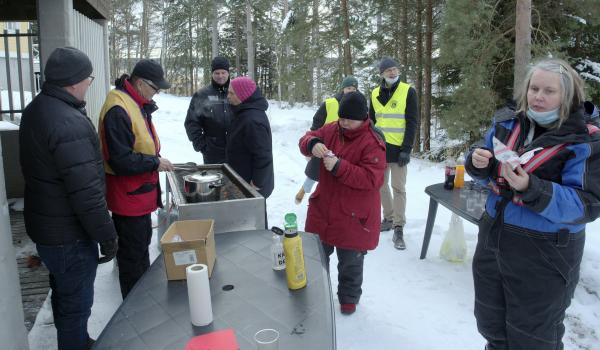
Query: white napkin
{"points": [[510, 157]]}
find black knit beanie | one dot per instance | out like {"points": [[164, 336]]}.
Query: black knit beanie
{"points": [[353, 106], [219, 62], [67, 66]]}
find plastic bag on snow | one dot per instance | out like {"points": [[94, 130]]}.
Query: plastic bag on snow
{"points": [[454, 246]]}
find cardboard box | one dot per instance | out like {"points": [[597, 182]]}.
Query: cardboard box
{"points": [[197, 246]]}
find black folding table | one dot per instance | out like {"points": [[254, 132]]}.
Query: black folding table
{"points": [[456, 201]]}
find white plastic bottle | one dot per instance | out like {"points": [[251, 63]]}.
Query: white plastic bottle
{"points": [[277, 254]]}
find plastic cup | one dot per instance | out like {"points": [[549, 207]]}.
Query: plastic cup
{"points": [[472, 203], [267, 339]]}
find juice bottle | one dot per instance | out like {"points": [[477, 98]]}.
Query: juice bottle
{"points": [[459, 178]]}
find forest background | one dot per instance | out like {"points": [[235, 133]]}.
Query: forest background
{"points": [[464, 57]]}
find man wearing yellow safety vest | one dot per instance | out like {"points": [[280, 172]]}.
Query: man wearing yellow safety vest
{"points": [[131, 152], [395, 106], [327, 113]]}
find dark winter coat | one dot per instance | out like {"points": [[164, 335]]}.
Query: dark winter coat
{"points": [[207, 121], [63, 170], [564, 192], [411, 115], [345, 209], [249, 143]]}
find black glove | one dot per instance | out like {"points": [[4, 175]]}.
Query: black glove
{"points": [[108, 249], [403, 158]]}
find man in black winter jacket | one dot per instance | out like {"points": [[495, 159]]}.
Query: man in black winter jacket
{"points": [[65, 207], [209, 115]]}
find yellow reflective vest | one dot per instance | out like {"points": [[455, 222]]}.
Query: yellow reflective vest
{"points": [[390, 118], [144, 142], [331, 106]]}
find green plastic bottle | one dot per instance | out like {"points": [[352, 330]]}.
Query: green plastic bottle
{"points": [[294, 256]]}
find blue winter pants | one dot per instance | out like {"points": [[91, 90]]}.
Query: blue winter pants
{"points": [[72, 270]]}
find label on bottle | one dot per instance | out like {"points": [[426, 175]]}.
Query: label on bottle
{"points": [[278, 259]]}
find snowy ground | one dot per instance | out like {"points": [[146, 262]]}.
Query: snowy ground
{"points": [[407, 303]]}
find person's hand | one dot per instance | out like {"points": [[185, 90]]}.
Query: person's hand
{"points": [[330, 162], [481, 158], [164, 165], [518, 179], [109, 250], [403, 158], [320, 150]]}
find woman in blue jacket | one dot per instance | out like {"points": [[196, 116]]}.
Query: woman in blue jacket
{"points": [[532, 234]]}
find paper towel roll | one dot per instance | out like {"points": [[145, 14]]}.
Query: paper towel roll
{"points": [[199, 294]]}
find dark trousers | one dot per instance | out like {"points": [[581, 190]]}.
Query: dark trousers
{"points": [[135, 234], [72, 270], [523, 285], [350, 273], [213, 156]]}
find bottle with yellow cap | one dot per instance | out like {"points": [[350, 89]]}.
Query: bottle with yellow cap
{"points": [[294, 256]]}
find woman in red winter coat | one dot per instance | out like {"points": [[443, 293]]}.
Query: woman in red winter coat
{"points": [[345, 208]]}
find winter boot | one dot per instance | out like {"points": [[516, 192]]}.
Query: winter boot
{"points": [[300, 195], [347, 309], [386, 225], [398, 238]]}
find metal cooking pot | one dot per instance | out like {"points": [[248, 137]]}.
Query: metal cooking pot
{"points": [[203, 186]]}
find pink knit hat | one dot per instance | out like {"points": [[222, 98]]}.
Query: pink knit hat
{"points": [[243, 87]]}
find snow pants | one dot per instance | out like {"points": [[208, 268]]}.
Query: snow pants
{"points": [[350, 272], [524, 282]]}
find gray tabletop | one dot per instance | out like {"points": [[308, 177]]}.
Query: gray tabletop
{"points": [[155, 315]]}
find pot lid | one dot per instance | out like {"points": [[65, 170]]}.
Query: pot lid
{"points": [[203, 177]]}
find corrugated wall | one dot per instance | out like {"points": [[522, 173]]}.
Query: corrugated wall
{"points": [[89, 38]]}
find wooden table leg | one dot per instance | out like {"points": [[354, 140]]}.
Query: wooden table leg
{"points": [[433, 205]]}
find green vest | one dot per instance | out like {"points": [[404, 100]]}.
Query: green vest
{"points": [[390, 118], [331, 105]]}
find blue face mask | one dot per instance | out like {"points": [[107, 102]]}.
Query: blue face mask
{"points": [[543, 118]]}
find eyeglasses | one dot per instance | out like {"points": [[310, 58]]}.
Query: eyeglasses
{"points": [[91, 79], [156, 90]]}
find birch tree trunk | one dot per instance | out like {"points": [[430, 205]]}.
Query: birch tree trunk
{"points": [[346, 43], [426, 114], [404, 33], [419, 72], [190, 86], [522, 43], [316, 50], [238, 43], [144, 35], [250, 40], [215, 28]]}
